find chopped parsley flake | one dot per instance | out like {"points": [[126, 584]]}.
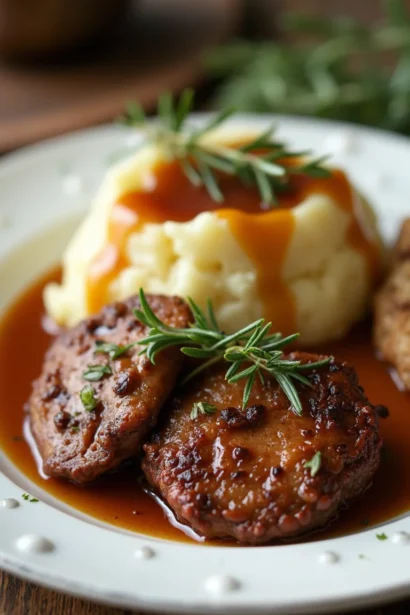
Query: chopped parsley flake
{"points": [[114, 351], [29, 498], [382, 536], [202, 407], [88, 398], [314, 464], [93, 373]]}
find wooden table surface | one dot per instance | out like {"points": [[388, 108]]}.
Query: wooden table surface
{"points": [[129, 64], [22, 598]]}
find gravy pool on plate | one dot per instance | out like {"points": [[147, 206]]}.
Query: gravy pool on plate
{"points": [[122, 499]]}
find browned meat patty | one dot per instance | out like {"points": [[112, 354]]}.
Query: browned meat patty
{"points": [[244, 474], [392, 310], [77, 441]]}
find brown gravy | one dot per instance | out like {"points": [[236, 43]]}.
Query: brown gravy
{"points": [[121, 500], [264, 234]]}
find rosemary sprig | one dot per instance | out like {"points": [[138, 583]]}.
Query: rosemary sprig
{"points": [[250, 352], [263, 161], [336, 69]]}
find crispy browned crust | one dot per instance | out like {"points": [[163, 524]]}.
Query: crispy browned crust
{"points": [[392, 310], [80, 445], [242, 474]]}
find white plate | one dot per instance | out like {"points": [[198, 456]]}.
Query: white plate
{"points": [[44, 190]]}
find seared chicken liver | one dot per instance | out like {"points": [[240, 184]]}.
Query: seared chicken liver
{"points": [[392, 310], [80, 444], [248, 473]]}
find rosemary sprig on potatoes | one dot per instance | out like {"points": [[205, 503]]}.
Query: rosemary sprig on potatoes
{"points": [[263, 161], [250, 352]]}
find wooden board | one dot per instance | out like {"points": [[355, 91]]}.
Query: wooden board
{"points": [[159, 46]]}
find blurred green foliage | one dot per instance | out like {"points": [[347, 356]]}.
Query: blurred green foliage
{"points": [[337, 68]]}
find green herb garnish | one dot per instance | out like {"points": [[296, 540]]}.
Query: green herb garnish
{"points": [[261, 162], [382, 536], [88, 398], [251, 352], [314, 464], [93, 373], [29, 498], [201, 407], [333, 68], [114, 351]]}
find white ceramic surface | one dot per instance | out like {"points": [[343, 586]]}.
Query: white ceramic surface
{"points": [[43, 192]]}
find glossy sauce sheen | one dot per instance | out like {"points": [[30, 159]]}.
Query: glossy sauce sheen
{"points": [[120, 498], [263, 234]]}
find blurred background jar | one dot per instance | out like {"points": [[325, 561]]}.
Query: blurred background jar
{"points": [[37, 29]]}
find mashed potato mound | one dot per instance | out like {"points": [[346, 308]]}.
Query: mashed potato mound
{"points": [[327, 277]]}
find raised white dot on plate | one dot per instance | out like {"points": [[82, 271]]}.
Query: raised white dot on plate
{"points": [[31, 543], [328, 557], [341, 143], [133, 140], [9, 503], [377, 180], [401, 538], [144, 553], [72, 184], [221, 584]]}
